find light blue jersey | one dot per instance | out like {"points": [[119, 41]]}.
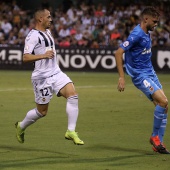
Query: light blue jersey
{"points": [[138, 53], [138, 63]]}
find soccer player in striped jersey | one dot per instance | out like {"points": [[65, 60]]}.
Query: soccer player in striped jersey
{"points": [[137, 49], [47, 78]]}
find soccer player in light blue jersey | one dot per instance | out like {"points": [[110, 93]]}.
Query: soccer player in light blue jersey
{"points": [[138, 65]]}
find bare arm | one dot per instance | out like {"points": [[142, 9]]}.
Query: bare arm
{"points": [[31, 57], [119, 63]]}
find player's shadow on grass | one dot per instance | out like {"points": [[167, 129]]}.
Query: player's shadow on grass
{"points": [[54, 157], [8, 148], [120, 149]]}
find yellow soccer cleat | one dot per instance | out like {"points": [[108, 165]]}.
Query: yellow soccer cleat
{"points": [[19, 133], [72, 135]]}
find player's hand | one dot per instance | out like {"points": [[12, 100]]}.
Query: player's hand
{"points": [[49, 54], [121, 84]]}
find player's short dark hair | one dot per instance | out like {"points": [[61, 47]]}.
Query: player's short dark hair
{"points": [[150, 10], [38, 10]]}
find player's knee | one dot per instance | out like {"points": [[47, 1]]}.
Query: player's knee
{"points": [[43, 112], [72, 93], [73, 96], [166, 111], [164, 103]]}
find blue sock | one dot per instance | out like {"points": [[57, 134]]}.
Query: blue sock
{"points": [[163, 127], [158, 117]]}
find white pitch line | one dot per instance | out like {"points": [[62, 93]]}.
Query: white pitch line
{"points": [[15, 89], [88, 87], [77, 87]]}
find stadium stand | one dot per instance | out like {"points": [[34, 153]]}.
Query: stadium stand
{"points": [[83, 24]]}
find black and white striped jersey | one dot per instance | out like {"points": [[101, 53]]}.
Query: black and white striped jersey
{"points": [[38, 42]]}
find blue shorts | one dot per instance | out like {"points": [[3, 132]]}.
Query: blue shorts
{"points": [[148, 85]]}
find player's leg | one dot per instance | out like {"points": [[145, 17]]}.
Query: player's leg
{"points": [[162, 129], [63, 86], [152, 89], [72, 111], [31, 117], [161, 100], [42, 98], [160, 109], [160, 114]]}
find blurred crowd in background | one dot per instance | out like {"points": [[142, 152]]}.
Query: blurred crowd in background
{"points": [[82, 24]]}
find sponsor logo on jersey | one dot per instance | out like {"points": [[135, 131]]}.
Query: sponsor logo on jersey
{"points": [[126, 43], [145, 51], [151, 88]]}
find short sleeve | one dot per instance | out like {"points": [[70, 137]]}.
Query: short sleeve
{"points": [[132, 40], [30, 43]]}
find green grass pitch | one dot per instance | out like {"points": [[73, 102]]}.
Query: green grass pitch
{"points": [[114, 126]]}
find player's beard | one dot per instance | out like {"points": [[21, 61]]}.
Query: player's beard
{"points": [[150, 28], [49, 25]]}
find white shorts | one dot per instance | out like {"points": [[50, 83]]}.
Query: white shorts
{"points": [[45, 88]]}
